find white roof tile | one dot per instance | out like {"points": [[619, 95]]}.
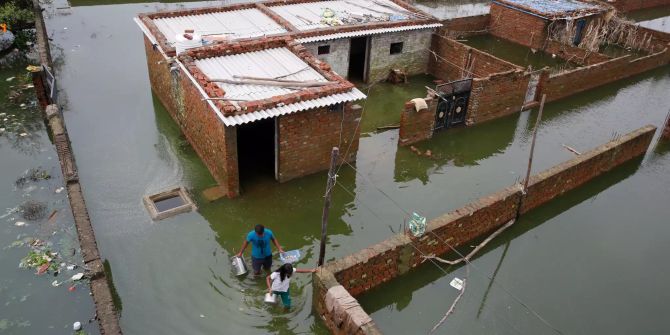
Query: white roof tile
{"points": [[268, 63], [243, 23], [307, 16], [367, 32]]}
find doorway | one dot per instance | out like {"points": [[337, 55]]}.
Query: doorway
{"points": [[358, 59], [256, 155]]}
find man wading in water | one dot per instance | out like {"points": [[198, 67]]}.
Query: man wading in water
{"points": [[261, 251]]}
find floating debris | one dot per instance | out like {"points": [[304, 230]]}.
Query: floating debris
{"points": [[10, 79], [60, 189], [33, 210], [40, 260], [77, 276], [20, 223]]}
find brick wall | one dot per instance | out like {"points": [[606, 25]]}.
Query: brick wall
{"points": [[417, 126], [573, 54], [306, 139], [517, 26], [564, 84], [497, 95], [630, 5], [452, 57], [413, 59], [215, 143], [384, 261], [571, 174], [465, 26], [338, 58]]}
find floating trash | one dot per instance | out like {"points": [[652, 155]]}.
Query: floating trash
{"points": [[33, 210], [417, 225], [290, 256], [10, 79], [23, 134], [19, 223], [78, 276], [76, 326], [60, 189], [457, 283]]}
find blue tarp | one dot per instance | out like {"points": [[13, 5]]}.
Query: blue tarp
{"points": [[552, 7]]}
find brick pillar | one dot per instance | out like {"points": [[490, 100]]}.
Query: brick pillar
{"points": [[416, 126]]}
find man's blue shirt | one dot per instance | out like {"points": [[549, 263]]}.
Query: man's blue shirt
{"points": [[260, 245]]}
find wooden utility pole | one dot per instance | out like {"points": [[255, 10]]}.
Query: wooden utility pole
{"points": [[326, 204], [530, 158]]}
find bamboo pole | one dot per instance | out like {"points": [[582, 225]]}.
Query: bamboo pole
{"points": [[326, 204]]}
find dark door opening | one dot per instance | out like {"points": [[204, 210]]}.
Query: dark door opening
{"points": [[358, 59], [452, 107], [256, 150]]}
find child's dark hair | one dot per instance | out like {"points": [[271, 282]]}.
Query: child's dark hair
{"points": [[285, 271]]}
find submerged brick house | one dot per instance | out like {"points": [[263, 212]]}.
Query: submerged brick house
{"points": [[262, 97], [527, 22]]}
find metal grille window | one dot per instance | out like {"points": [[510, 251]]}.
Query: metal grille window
{"points": [[323, 49], [396, 48]]}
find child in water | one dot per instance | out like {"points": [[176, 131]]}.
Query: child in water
{"points": [[279, 280]]}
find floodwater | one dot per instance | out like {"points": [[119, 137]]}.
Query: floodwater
{"points": [[29, 304], [450, 9], [652, 18], [518, 54], [174, 276]]}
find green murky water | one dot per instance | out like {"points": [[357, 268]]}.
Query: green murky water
{"points": [[29, 304], [174, 276], [517, 54]]}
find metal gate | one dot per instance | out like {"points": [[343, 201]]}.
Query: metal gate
{"points": [[452, 107]]}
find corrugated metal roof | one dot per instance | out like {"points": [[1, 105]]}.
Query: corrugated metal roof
{"points": [[268, 63], [243, 23], [553, 7], [366, 33], [307, 16], [330, 100]]}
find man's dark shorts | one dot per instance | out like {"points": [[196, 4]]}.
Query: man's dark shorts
{"points": [[266, 263]]}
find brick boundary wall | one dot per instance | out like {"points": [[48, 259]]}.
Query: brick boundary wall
{"points": [[631, 5], [574, 54], [99, 283], [568, 83], [417, 126], [465, 26], [452, 56], [379, 263], [496, 96]]}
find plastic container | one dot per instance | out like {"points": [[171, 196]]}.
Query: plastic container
{"points": [[290, 256], [270, 298], [238, 265]]}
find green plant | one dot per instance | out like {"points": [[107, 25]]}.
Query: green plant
{"points": [[16, 16]]}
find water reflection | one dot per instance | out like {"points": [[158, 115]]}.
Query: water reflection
{"points": [[457, 147], [379, 299]]}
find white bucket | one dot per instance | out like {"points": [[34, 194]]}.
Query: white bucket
{"points": [[270, 298], [182, 43]]}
